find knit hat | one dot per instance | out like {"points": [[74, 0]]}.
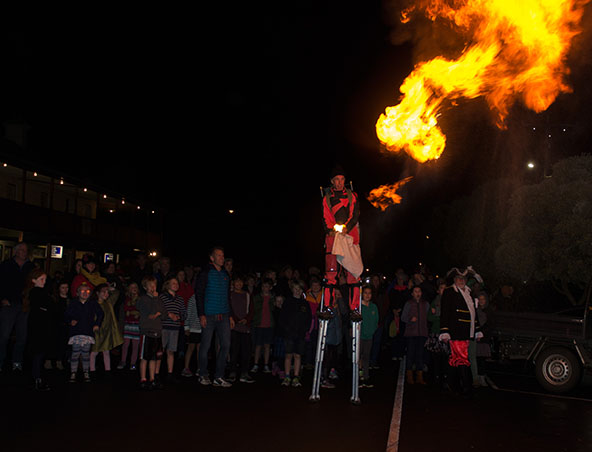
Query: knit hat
{"points": [[337, 171]]}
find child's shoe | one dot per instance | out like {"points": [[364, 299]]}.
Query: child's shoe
{"points": [[204, 381], [121, 366], [221, 382], [246, 379], [232, 377], [133, 367], [296, 382], [47, 365], [186, 373], [333, 375], [255, 369], [86, 377], [286, 381], [72, 377], [266, 369], [59, 365]]}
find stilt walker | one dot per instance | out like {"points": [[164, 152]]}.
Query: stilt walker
{"points": [[342, 256]]}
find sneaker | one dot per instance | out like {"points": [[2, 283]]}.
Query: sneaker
{"points": [[204, 381], [296, 382], [327, 384], [333, 375], [266, 370], [59, 365], [365, 383], [72, 377], [17, 367], [120, 366], [246, 379], [133, 367], [86, 377], [221, 382], [255, 369], [186, 373], [286, 381], [232, 377]]}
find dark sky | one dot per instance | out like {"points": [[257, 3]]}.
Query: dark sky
{"points": [[247, 108]]}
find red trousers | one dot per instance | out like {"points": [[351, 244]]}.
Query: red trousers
{"points": [[333, 271]]}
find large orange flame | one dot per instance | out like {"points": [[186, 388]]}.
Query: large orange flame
{"points": [[516, 51]]}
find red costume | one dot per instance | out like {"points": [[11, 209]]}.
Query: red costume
{"points": [[340, 208]]}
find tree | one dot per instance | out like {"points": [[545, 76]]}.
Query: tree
{"points": [[548, 236]]}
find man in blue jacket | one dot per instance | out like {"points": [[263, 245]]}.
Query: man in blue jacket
{"points": [[212, 292]]}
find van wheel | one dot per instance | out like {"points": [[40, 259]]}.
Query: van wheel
{"points": [[558, 370]]}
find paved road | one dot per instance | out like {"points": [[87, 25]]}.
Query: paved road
{"points": [[111, 414]]}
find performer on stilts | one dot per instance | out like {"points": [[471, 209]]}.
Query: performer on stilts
{"points": [[341, 214]]}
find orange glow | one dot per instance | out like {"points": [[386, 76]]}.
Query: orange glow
{"points": [[516, 51], [386, 195]]}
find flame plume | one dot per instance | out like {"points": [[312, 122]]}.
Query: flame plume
{"points": [[386, 195], [516, 51]]}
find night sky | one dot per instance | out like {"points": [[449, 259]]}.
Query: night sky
{"points": [[246, 108]]}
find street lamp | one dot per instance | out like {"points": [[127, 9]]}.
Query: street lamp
{"points": [[530, 165]]}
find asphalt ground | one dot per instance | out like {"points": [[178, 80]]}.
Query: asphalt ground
{"points": [[112, 414]]}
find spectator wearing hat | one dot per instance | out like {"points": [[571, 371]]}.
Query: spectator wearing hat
{"points": [[459, 324]]}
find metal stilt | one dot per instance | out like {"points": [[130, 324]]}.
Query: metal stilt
{"points": [[320, 353], [324, 316], [356, 320], [356, 330]]}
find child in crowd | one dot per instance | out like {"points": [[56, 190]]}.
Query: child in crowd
{"points": [[332, 343], [278, 350], [108, 336], [368, 328], [415, 316], [131, 327], [176, 313], [40, 306], [295, 318], [84, 315], [151, 309], [60, 348], [263, 324], [192, 329], [313, 297], [437, 349], [240, 343]]}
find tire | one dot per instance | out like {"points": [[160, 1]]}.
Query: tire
{"points": [[558, 370]]}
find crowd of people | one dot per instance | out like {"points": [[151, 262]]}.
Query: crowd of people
{"points": [[224, 327]]}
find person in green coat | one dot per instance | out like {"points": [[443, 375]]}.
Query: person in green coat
{"points": [[368, 328], [108, 336]]}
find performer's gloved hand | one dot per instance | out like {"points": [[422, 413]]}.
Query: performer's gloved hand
{"points": [[444, 337], [478, 335]]}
